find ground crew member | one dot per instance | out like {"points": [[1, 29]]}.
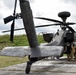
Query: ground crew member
{"points": [[73, 51], [68, 52]]}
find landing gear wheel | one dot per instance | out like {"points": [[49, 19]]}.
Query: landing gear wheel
{"points": [[29, 64], [57, 57], [28, 67], [75, 55], [29, 57]]}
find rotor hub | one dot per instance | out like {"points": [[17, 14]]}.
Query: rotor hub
{"points": [[64, 15]]}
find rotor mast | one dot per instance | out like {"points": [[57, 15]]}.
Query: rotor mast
{"points": [[64, 15]]}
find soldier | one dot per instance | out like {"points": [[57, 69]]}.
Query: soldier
{"points": [[70, 51], [73, 51], [75, 55]]}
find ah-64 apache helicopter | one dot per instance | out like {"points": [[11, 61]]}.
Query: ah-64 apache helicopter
{"points": [[56, 44]]}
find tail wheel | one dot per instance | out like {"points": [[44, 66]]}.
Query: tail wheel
{"points": [[28, 67], [29, 57], [75, 55], [57, 57]]}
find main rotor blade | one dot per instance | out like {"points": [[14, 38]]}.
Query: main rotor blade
{"points": [[66, 24], [70, 28], [70, 23], [15, 7], [49, 19], [46, 25], [13, 24], [12, 31], [35, 27]]}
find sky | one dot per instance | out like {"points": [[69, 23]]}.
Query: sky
{"points": [[40, 8]]}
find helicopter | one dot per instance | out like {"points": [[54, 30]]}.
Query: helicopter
{"points": [[55, 43]]}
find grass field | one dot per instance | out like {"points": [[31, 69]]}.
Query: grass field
{"points": [[19, 40], [8, 61]]}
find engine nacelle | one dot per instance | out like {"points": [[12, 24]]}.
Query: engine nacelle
{"points": [[48, 37], [69, 37]]}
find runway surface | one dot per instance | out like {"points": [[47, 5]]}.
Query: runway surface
{"points": [[43, 67]]}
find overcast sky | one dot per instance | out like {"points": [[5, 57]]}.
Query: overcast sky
{"points": [[41, 8]]}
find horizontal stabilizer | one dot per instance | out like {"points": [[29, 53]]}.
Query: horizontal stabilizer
{"points": [[46, 51], [19, 51], [39, 51]]}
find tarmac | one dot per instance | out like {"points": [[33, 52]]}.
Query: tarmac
{"points": [[43, 67]]}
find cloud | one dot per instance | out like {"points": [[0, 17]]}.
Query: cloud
{"points": [[3, 26], [1, 16], [32, 1], [9, 3], [44, 8], [69, 1]]}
